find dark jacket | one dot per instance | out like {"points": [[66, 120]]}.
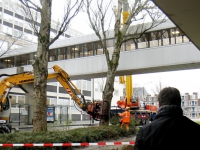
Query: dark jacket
{"points": [[169, 131]]}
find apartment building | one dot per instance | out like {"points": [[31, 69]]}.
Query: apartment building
{"points": [[191, 105]]}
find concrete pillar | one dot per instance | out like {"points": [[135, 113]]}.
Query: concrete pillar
{"points": [[28, 89], [29, 102], [20, 69]]}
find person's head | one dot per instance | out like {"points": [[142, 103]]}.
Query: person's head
{"points": [[169, 96], [127, 108]]}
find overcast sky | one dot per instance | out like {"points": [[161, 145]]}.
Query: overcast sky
{"points": [[185, 81]]}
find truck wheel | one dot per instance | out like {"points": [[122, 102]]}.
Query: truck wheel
{"points": [[4, 129]]}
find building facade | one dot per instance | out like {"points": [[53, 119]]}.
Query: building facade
{"points": [[191, 105], [16, 30], [75, 48]]}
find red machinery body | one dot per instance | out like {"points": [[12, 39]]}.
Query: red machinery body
{"points": [[143, 114]]}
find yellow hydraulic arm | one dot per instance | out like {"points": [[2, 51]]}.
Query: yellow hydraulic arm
{"points": [[129, 87], [28, 77]]}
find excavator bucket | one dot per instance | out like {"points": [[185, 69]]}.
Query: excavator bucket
{"points": [[98, 109], [121, 104]]}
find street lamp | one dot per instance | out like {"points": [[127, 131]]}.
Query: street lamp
{"points": [[143, 88]]}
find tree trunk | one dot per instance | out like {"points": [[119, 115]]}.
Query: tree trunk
{"points": [[40, 69], [109, 86]]}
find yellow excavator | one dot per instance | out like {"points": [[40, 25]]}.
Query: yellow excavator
{"points": [[91, 108]]}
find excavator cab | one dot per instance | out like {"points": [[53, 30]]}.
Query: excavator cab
{"points": [[134, 98]]}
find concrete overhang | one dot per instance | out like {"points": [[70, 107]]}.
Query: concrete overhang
{"points": [[185, 15]]}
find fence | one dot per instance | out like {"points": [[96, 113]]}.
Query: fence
{"points": [[61, 115]]}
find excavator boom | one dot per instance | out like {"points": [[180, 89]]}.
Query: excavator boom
{"points": [[62, 77]]}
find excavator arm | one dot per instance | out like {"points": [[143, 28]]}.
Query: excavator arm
{"points": [[63, 78]]}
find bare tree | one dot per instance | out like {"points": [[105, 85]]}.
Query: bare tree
{"points": [[158, 87], [99, 14], [40, 65], [7, 40]]}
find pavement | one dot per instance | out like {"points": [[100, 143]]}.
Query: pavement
{"points": [[55, 126]]}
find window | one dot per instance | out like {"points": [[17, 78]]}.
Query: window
{"points": [[63, 102], [183, 97], [130, 45], [17, 99], [21, 12], [27, 36], [143, 41], [53, 101], [18, 61], [98, 48], [78, 84], [8, 6], [155, 39], [76, 51], [84, 85], [53, 55], [67, 53], [176, 36], [89, 85], [96, 87], [87, 49], [27, 26], [7, 29], [61, 53], [13, 100], [19, 22], [4, 46], [166, 37], [7, 62], [25, 59], [17, 33], [31, 58], [21, 101], [8, 18]]}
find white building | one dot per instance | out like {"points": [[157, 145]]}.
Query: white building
{"points": [[85, 47], [191, 105], [15, 26]]}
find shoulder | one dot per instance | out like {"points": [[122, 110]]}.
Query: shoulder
{"points": [[190, 122], [145, 129]]}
